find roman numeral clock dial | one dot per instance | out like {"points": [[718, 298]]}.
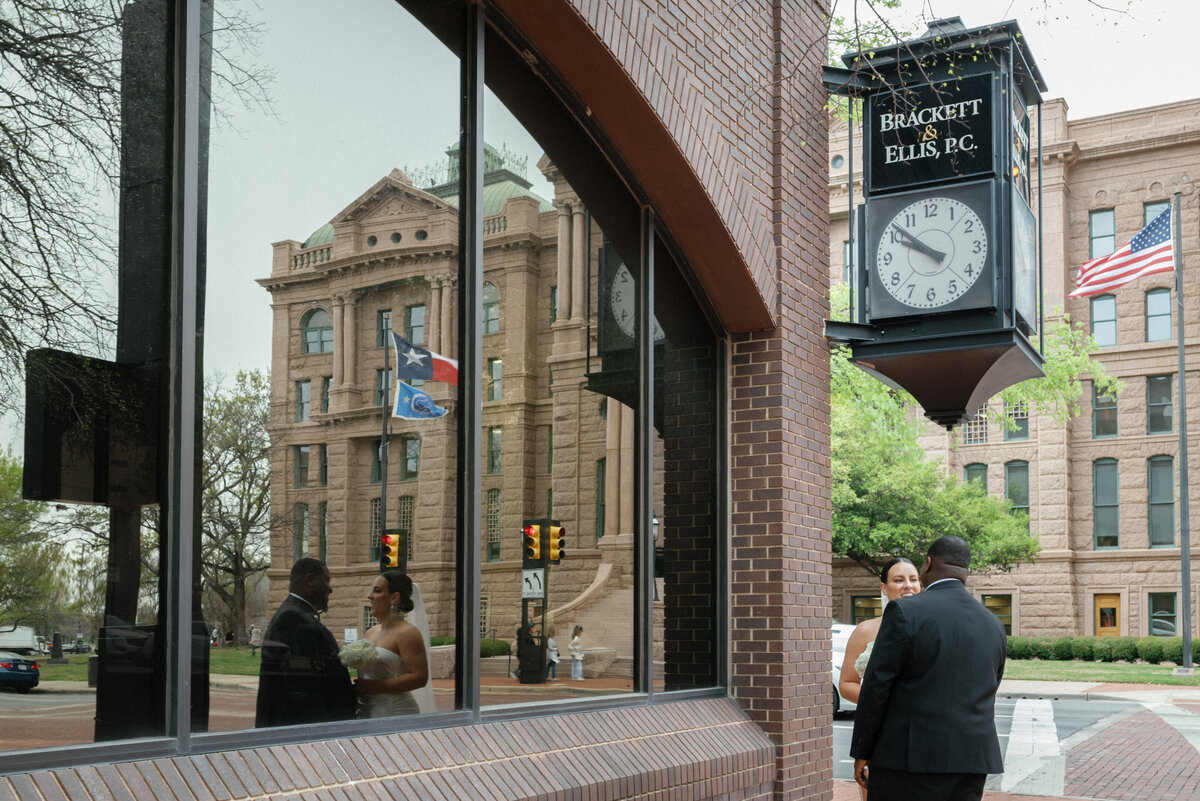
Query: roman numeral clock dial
{"points": [[931, 251]]}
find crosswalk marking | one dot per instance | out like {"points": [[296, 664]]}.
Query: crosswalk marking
{"points": [[1032, 741]]}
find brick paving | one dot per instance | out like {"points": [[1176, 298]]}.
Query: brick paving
{"points": [[1140, 758]]}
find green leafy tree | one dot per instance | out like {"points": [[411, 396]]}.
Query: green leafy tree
{"points": [[27, 576], [889, 499], [236, 494]]}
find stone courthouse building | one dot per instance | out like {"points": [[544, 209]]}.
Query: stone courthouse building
{"points": [[640, 355], [554, 446], [1102, 491]]}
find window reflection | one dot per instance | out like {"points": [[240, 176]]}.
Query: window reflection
{"points": [[332, 282]]}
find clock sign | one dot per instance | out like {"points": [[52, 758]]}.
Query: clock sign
{"points": [[931, 251]]}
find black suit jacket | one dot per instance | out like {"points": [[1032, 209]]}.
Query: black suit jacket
{"points": [[927, 703], [300, 679]]}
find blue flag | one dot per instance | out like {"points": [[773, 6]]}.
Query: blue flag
{"points": [[413, 404]]}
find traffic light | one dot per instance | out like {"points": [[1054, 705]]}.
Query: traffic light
{"points": [[554, 547], [532, 542], [389, 551]]}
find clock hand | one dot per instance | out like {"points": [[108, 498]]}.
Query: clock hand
{"points": [[917, 244]]}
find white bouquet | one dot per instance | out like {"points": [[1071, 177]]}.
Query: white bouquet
{"points": [[358, 654]]}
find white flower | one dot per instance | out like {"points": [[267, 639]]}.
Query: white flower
{"points": [[358, 653]]}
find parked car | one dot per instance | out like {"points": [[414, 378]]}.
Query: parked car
{"points": [[18, 672], [841, 633]]}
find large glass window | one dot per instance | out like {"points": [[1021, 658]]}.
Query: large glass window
{"points": [[978, 473], [1017, 427], [1161, 480], [349, 242], [1104, 414], [1158, 315], [1160, 413], [975, 430], [1102, 233], [316, 332], [1162, 614], [865, 607], [414, 324], [494, 380], [1016, 485], [1152, 209], [1002, 607], [1104, 320], [1106, 504]]}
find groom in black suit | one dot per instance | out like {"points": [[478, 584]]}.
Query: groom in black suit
{"points": [[925, 726], [301, 679]]}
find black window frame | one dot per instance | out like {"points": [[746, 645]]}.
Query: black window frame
{"points": [[1155, 403], [1106, 505], [1104, 409]]}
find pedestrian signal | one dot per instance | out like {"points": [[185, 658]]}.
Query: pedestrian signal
{"points": [[556, 543]]}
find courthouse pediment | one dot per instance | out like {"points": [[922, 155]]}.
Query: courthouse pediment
{"points": [[392, 196]]}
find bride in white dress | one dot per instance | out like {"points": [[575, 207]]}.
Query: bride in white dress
{"points": [[897, 579], [390, 684]]}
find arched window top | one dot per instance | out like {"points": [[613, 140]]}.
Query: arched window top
{"points": [[1105, 460], [490, 293], [316, 331]]}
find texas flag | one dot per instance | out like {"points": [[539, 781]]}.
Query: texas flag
{"points": [[414, 363]]}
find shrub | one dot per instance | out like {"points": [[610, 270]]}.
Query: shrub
{"points": [[434, 641], [1018, 648], [1124, 648], [1082, 648], [1150, 649], [1063, 649], [1102, 649], [1195, 650], [1043, 647], [493, 648], [1172, 649]]}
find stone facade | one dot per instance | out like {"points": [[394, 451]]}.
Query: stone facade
{"points": [[1120, 162]]}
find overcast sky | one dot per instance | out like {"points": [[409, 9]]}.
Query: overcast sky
{"points": [[365, 90], [1101, 57]]}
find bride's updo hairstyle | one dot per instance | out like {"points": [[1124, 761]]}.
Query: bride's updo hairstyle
{"points": [[887, 567], [401, 583]]}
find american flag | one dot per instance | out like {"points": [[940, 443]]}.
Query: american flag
{"points": [[1151, 251]]}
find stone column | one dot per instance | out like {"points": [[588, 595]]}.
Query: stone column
{"points": [[339, 345], [349, 343], [627, 488], [564, 261], [612, 463], [449, 304], [579, 248], [433, 320]]}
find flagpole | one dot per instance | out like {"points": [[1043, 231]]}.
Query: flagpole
{"points": [[383, 438], [1185, 540]]}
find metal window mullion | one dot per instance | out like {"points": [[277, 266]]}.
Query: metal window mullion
{"points": [[470, 337], [190, 87], [643, 552]]}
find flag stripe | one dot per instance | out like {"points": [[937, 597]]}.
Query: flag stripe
{"points": [[1150, 251]]}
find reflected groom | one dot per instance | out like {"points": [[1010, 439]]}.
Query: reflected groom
{"points": [[301, 679], [925, 727]]}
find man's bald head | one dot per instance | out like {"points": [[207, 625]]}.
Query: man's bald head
{"points": [[947, 557]]}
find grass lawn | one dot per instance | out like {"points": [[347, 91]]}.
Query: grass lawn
{"points": [[1107, 672], [226, 661]]}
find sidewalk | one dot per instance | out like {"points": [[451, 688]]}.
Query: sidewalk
{"points": [[1090, 690]]}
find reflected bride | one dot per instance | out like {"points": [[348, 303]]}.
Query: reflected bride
{"points": [[396, 678]]}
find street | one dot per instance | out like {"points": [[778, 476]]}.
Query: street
{"points": [[1103, 749]]}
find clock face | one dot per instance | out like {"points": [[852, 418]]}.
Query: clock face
{"points": [[931, 252], [622, 298]]}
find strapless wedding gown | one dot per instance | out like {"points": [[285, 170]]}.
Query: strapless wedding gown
{"points": [[860, 664], [387, 666]]}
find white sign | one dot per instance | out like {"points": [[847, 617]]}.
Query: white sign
{"points": [[533, 583], [350, 635]]}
